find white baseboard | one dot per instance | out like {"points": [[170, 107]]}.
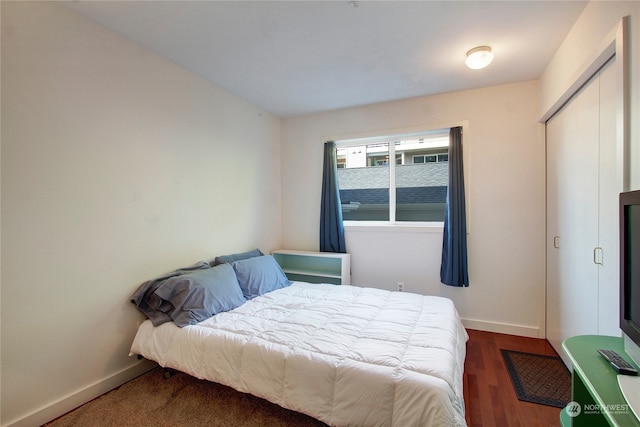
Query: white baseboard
{"points": [[76, 399], [503, 328]]}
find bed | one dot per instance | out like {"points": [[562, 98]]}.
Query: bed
{"points": [[345, 355]]}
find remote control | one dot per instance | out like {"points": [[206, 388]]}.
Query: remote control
{"points": [[619, 364]]}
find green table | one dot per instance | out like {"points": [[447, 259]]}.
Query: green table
{"points": [[594, 384]]}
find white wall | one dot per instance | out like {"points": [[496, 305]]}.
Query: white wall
{"points": [[504, 146], [116, 166], [597, 21]]}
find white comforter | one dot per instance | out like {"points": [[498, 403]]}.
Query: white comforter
{"points": [[345, 355]]}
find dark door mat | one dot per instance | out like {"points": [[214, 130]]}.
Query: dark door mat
{"points": [[538, 378]]}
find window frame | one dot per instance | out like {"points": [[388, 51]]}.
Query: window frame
{"points": [[391, 137]]}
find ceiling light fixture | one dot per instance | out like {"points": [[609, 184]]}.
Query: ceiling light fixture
{"points": [[479, 57]]}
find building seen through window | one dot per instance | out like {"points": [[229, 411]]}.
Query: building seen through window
{"points": [[413, 187]]}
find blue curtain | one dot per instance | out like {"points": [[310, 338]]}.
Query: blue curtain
{"points": [[454, 270], [331, 227]]}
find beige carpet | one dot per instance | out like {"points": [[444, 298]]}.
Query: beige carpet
{"points": [[152, 400]]}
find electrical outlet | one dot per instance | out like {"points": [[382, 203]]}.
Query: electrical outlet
{"points": [[400, 286]]}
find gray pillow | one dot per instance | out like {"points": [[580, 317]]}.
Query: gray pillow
{"points": [[259, 275], [201, 294], [151, 304], [237, 257]]}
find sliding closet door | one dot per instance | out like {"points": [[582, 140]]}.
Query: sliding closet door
{"points": [[582, 189], [611, 184], [572, 156], [555, 131]]}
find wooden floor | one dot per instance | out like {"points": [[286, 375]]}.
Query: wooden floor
{"points": [[489, 396]]}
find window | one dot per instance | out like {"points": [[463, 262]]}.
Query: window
{"points": [[413, 188], [430, 158], [364, 182]]}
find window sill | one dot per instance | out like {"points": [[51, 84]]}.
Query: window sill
{"points": [[409, 227]]}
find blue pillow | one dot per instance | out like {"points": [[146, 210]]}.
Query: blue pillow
{"points": [[237, 257], [259, 275], [201, 294]]}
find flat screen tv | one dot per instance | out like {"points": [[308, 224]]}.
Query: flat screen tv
{"points": [[630, 272], [630, 293]]}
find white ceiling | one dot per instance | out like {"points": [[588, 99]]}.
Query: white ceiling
{"points": [[299, 57]]}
